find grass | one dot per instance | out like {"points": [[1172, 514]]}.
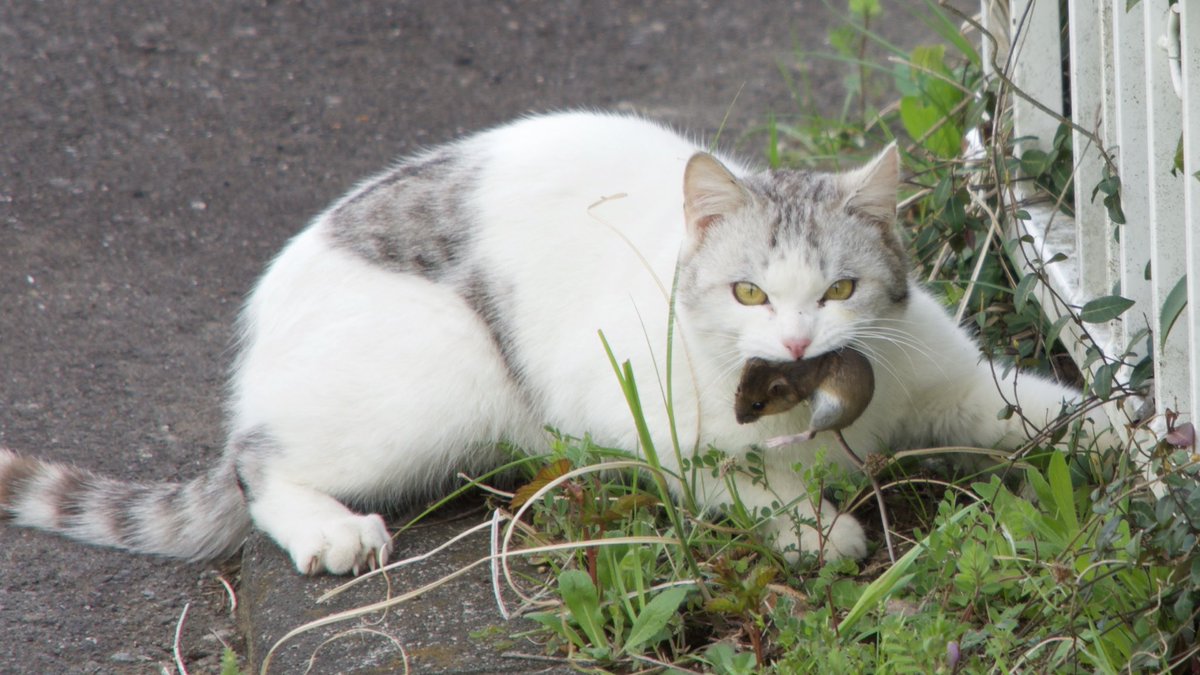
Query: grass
{"points": [[1078, 565], [1084, 560]]}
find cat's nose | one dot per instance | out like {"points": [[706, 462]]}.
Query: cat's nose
{"points": [[797, 347]]}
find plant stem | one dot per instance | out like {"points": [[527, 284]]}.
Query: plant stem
{"points": [[883, 514]]}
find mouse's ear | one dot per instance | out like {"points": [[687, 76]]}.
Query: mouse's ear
{"points": [[779, 387]]}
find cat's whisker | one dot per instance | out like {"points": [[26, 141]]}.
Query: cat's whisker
{"points": [[905, 349], [908, 348], [878, 358], [898, 337]]}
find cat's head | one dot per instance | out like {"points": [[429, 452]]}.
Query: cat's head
{"points": [[790, 264]]}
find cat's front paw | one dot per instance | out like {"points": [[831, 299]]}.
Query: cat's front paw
{"points": [[846, 539], [841, 536], [350, 543]]}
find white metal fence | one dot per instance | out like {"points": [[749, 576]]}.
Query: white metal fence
{"points": [[1131, 78]]}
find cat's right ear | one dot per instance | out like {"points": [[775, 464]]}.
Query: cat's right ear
{"points": [[710, 192]]}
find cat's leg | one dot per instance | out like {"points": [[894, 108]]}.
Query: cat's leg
{"points": [[363, 387], [317, 531], [974, 412], [940, 390], [1003, 411]]}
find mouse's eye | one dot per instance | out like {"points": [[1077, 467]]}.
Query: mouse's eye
{"points": [[757, 406], [749, 294]]}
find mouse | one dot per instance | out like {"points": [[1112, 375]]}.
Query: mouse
{"points": [[773, 387], [838, 385]]}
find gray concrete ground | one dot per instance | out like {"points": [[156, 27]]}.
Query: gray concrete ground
{"points": [[154, 155]]}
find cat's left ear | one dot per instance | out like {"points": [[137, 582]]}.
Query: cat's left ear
{"points": [[871, 189], [710, 192]]}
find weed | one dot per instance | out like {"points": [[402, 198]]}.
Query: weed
{"points": [[1082, 568]]}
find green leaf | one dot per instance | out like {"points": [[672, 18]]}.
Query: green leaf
{"points": [[1103, 380], [865, 8], [1059, 477], [943, 190], [919, 118], [558, 624], [1035, 162], [229, 662], [581, 598], [844, 39], [1105, 308], [1021, 294], [1056, 330], [1115, 212], [655, 616], [1172, 307], [920, 113]]}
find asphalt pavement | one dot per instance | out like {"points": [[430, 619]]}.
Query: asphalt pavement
{"points": [[153, 157]]}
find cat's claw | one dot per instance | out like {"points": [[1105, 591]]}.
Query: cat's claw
{"points": [[347, 544]]}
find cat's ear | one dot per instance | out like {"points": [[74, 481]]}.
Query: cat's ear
{"points": [[710, 191], [871, 189]]}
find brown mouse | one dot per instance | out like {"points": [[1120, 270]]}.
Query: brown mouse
{"points": [[838, 384], [773, 387]]}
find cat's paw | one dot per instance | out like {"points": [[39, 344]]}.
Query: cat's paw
{"points": [[350, 543], [845, 538]]}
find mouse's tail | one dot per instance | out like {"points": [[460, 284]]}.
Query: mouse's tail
{"points": [[203, 519]]}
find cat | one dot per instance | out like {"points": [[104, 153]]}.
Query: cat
{"points": [[452, 304]]}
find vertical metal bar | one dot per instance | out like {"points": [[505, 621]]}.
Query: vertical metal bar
{"points": [[1129, 127], [1034, 31], [1189, 15], [1087, 108], [1168, 262]]}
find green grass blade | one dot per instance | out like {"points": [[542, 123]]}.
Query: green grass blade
{"points": [[1059, 477], [879, 589]]}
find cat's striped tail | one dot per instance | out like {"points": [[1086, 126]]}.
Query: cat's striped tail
{"points": [[204, 519]]}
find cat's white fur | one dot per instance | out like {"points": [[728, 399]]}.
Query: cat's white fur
{"points": [[374, 382], [360, 381]]}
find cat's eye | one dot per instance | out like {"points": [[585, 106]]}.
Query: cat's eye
{"points": [[749, 294], [840, 290]]}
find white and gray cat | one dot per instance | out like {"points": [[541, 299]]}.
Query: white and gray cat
{"points": [[452, 304]]}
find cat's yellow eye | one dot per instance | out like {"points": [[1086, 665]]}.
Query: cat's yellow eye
{"points": [[840, 290], [749, 294]]}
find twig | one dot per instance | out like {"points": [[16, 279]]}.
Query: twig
{"points": [[233, 600], [175, 646], [883, 514]]}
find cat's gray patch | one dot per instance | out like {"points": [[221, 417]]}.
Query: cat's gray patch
{"points": [[412, 219], [794, 196], [482, 297], [805, 212]]}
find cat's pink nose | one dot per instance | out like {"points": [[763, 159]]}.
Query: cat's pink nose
{"points": [[797, 347]]}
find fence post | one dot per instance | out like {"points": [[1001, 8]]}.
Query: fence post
{"points": [[1190, 66]]}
